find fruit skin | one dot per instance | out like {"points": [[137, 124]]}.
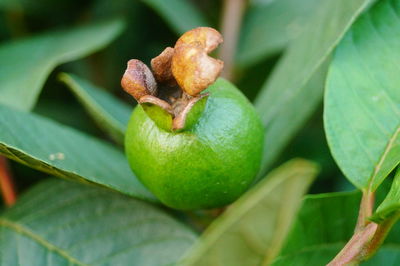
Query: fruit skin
{"points": [[207, 166]]}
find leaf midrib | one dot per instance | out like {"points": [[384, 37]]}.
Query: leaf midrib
{"points": [[22, 230]]}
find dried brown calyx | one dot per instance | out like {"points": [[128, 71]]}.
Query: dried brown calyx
{"points": [[179, 75]]}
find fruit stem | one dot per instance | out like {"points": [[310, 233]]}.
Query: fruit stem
{"points": [[6, 183], [232, 15]]}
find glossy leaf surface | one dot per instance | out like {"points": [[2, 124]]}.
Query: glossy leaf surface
{"points": [[64, 152], [362, 100]]}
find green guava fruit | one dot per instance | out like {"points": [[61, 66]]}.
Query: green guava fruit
{"points": [[207, 165]]}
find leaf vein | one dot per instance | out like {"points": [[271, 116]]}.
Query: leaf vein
{"points": [[22, 230]]}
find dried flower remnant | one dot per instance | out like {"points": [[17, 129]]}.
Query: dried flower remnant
{"points": [[193, 69], [181, 117], [161, 66], [138, 80], [180, 75]]}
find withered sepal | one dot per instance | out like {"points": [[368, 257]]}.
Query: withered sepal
{"points": [[172, 97], [161, 66], [192, 68], [138, 80]]}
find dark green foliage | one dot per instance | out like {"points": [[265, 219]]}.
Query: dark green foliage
{"points": [[64, 115]]}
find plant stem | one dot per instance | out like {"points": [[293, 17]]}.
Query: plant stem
{"points": [[368, 236], [351, 253], [366, 209], [230, 27], [354, 251], [6, 183]]}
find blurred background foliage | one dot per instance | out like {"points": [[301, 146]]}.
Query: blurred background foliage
{"points": [[150, 26]]}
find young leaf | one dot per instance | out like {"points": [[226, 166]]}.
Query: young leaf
{"points": [[269, 26], [181, 15], [296, 74], [63, 223], [56, 149], [362, 100], [391, 204], [109, 113], [27, 63], [324, 225], [253, 229]]}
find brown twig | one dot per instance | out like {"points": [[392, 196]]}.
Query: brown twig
{"points": [[368, 236], [6, 183], [230, 27], [364, 243]]}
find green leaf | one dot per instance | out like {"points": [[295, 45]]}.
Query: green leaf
{"points": [[63, 223], [28, 62], [391, 204], [253, 228], [362, 100], [64, 152], [297, 74], [269, 26], [181, 15], [323, 226], [110, 114]]}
